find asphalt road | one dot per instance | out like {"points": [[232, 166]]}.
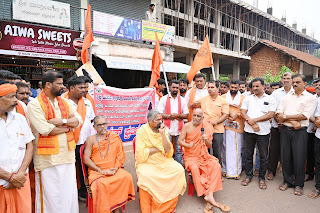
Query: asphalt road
{"points": [[241, 199]]}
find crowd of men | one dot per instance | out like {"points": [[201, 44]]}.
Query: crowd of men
{"points": [[212, 130]]}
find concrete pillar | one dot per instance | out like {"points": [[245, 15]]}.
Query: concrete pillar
{"points": [[216, 65], [236, 69], [315, 73], [236, 44], [190, 26], [189, 59], [217, 30], [158, 9], [301, 68], [83, 4]]}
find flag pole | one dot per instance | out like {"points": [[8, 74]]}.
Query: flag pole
{"points": [[90, 53], [165, 78], [213, 73]]}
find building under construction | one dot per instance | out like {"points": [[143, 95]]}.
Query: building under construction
{"points": [[233, 26]]}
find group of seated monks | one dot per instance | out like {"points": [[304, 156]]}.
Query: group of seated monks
{"points": [[160, 178]]}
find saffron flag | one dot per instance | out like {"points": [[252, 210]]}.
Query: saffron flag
{"points": [[156, 61], [88, 37], [202, 60]]}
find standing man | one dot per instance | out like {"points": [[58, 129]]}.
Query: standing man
{"points": [[151, 14], [23, 93], [159, 91], [86, 91], [242, 87], [257, 110], [39, 87], [183, 87], [224, 87], [196, 92], [76, 86], [294, 113], [53, 119], [233, 137], [267, 89], [274, 148], [216, 111], [174, 109], [15, 155], [316, 192]]}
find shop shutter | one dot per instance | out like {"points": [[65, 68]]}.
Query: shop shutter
{"points": [[134, 9], [6, 11]]}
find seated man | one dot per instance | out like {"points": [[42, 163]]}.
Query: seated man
{"points": [[160, 178], [111, 186], [196, 138]]}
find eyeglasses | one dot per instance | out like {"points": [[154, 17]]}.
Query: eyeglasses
{"points": [[101, 125]]}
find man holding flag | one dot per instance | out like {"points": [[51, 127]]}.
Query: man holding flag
{"points": [[202, 60]]}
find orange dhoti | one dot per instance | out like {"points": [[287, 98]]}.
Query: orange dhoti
{"points": [[205, 168], [110, 192], [148, 204], [16, 200]]}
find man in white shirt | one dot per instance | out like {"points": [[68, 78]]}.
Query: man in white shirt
{"points": [[294, 112], [15, 154], [257, 110], [159, 91], [274, 148], [174, 109], [76, 86], [151, 14], [316, 192], [196, 92]]}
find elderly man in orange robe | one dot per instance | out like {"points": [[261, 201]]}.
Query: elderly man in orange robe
{"points": [[196, 138], [111, 186]]}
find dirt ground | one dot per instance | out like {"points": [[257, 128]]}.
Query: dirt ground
{"points": [[241, 199]]}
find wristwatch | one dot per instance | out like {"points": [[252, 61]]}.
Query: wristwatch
{"points": [[64, 121]]}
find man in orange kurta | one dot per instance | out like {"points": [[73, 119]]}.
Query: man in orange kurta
{"points": [[196, 138], [111, 186]]}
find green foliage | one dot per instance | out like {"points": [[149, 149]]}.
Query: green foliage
{"points": [[269, 78], [223, 77]]}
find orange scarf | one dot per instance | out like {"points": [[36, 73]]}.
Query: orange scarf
{"points": [[160, 94], [92, 102], [167, 122], [49, 145], [20, 109], [191, 101], [81, 109]]}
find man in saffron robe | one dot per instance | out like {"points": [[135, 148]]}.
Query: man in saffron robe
{"points": [[160, 178], [52, 119], [196, 138], [111, 186], [15, 154]]}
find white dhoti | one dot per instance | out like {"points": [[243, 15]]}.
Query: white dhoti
{"points": [[56, 190], [232, 163]]}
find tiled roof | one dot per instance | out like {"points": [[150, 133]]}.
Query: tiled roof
{"points": [[302, 56]]}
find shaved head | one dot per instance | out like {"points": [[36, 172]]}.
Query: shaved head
{"points": [[198, 111]]}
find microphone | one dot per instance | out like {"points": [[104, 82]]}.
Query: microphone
{"points": [[202, 132]]}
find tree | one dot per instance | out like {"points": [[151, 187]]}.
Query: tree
{"points": [[269, 78]]}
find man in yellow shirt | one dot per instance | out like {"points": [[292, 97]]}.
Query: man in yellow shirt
{"points": [[216, 111], [160, 178]]}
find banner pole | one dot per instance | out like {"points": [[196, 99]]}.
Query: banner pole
{"points": [[90, 53], [213, 73], [165, 78]]}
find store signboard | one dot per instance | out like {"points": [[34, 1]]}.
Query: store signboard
{"points": [[116, 26], [42, 11], [37, 41], [165, 33]]}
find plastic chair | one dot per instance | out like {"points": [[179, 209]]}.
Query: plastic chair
{"points": [[89, 202], [134, 153]]}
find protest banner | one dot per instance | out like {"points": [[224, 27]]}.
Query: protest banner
{"points": [[165, 33], [125, 109]]}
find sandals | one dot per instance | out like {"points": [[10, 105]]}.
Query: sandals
{"points": [[262, 184], [246, 182], [314, 194], [223, 208], [284, 187], [270, 176], [298, 190]]}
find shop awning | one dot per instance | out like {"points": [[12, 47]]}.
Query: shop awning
{"points": [[142, 64]]}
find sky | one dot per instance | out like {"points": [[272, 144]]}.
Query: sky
{"points": [[305, 13]]}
